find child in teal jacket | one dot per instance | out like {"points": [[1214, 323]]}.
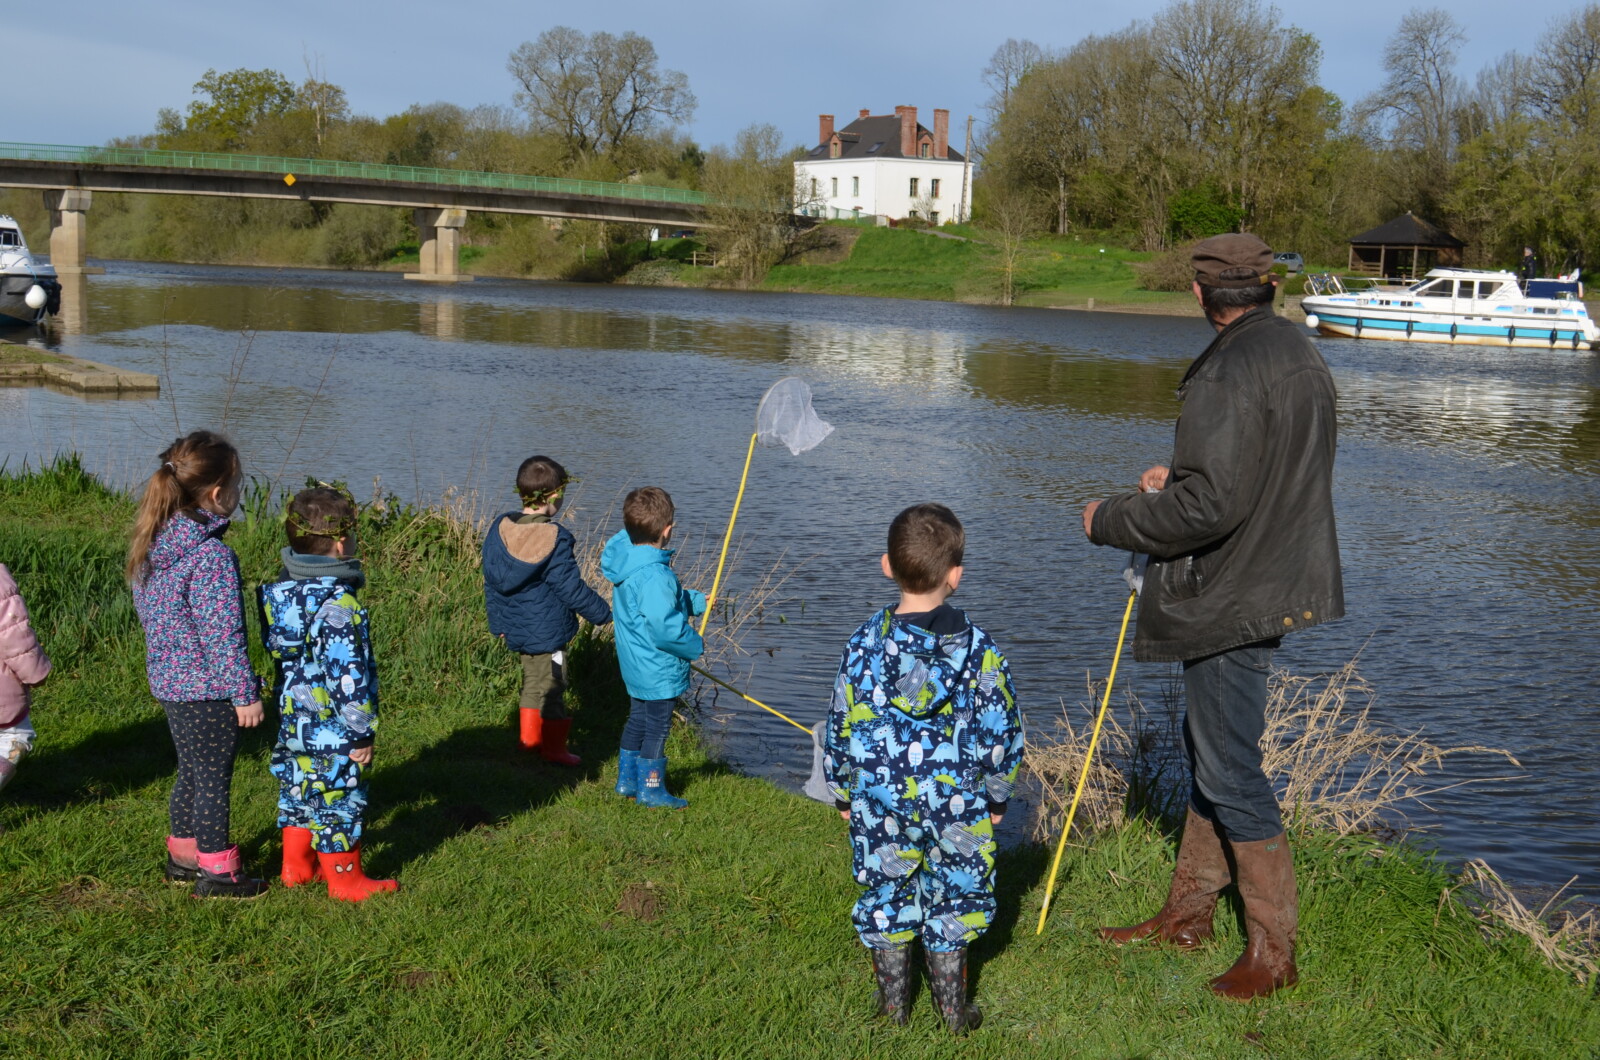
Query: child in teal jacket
{"points": [[655, 640]]}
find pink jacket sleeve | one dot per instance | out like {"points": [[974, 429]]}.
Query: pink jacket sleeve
{"points": [[20, 653]]}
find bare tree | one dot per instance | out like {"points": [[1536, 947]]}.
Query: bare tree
{"points": [[324, 100], [1007, 67], [755, 191], [1010, 219], [598, 92], [1419, 103]]}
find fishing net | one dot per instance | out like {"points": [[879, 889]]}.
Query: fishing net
{"points": [[785, 417], [816, 786]]}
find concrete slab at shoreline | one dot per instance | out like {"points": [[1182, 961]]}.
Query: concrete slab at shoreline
{"points": [[75, 373]]}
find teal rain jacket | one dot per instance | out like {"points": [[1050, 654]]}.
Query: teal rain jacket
{"points": [[650, 613]]}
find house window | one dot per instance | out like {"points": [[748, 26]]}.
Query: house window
{"points": [[833, 149], [855, 185], [813, 187], [933, 217], [933, 188], [913, 215], [835, 187], [855, 212], [915, 184], [926, 151]]}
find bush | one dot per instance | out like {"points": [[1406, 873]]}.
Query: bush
{"points": [[356, 237], [1169, 270]]}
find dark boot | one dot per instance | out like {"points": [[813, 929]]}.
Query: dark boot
{"points": [[1201, 872], [222, 876], [947, 978], [1271, 911], [892, 969]]}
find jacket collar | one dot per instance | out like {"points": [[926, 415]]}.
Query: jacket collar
{"points": [[1244, 322]]}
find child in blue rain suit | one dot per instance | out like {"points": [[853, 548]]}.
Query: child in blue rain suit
{"points": [[650, 612], [923, 745], [327, 694]]}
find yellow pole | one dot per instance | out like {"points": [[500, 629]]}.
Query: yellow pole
{"points": [[747, 699], [1083, 777], [717, 581]]}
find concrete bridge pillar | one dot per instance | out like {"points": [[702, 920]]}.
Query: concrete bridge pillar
{"points": [[440, 252], [69, 231]]}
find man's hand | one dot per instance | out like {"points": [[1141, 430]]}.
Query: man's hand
{"points": [[1154, 480], [1088, 518], [361, 756], [250, 715]]}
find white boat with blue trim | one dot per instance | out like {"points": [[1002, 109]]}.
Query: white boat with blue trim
{"points": [[28, 289], [1462, 306]]}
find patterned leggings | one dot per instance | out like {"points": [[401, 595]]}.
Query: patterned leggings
{"points": [[206, 734]]}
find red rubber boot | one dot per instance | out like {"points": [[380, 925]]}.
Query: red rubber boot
{"points": [[553, 743], [346, 881], [532, 728], [299, 860]]}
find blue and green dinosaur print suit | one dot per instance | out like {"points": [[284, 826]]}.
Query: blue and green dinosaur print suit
{"points": [[924, 741], [327, 694]]}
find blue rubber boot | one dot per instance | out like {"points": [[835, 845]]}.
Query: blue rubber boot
{"points": [[628, 774], [653, 785]]}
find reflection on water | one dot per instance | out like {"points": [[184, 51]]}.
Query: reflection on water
{"points": [[1468, 481]]}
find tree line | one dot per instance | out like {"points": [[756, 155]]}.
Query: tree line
{"points": [[1210, 118]]}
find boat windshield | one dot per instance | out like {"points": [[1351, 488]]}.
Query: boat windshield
{"points": [[1434, 288], [10, 237]]}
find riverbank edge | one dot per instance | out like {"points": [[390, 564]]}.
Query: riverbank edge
{"points": [[533, 895], [72, 373]]}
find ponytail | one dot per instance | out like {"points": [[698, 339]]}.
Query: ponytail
{"points": [[190, 467]]}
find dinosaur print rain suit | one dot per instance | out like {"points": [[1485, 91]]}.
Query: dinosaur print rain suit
{"points": [[327, 695], [924, 741]]}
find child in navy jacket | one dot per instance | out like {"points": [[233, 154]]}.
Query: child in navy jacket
{"points": [[534, 594]]}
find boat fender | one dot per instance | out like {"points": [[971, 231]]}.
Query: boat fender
{"points": [[1552, 338], [36, 297], [1452, 331], [1312, 321], [1409, 324], [1358, 327], [1511, 335]]}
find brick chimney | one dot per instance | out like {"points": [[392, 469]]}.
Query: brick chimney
{"points": [[941, 133], [908, 130], [824, 128], [865, 113]]}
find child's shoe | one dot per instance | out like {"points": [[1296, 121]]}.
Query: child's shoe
{"points": [[553, 743], [947, 977], [221, 877], [532, 727], [346, 881], [628, 774], [181, 864], [892, 969], [299, 860], [653, 785]]}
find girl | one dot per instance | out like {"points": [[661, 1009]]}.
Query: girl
{"points": [[186, 589], [22, 663]]}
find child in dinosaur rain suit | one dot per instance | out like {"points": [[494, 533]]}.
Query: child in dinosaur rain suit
{"points": [[923, 745], [327, 695]]}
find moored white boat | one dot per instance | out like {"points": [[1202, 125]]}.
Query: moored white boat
{"points": [[28, 289], [1463, 306]]}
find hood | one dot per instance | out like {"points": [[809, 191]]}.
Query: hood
{"points": [[184, 533], [622, 558], [918, 671], [516, 553]]}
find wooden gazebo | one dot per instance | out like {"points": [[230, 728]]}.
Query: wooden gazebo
{"points": [[1405, 246]]}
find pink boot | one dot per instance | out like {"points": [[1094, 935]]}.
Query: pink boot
{"points": [[221, 876], [181, 864]]}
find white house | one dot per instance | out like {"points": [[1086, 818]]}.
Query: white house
{"points": [[885, 165]]}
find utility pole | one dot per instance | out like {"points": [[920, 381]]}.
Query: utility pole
{"points": [[966, 175]]}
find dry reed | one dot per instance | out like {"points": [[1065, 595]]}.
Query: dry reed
{"points": [[1566, 939]]}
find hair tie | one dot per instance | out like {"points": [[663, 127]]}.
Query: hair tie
{"points": [[173, 466]]}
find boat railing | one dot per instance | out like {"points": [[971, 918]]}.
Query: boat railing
{"points": [[1323, 283]]}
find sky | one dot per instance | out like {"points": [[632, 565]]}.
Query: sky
{"points": [[103, 68]]}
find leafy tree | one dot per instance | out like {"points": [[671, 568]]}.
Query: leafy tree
{"points": [[754, 196], [234, 104], [599, 93]]}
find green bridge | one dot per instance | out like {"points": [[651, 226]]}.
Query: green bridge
{"points": [[441, 198]]}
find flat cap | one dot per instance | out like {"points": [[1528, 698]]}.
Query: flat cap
{"points": [[1236, 259]]}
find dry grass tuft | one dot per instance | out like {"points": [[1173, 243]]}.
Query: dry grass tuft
{"points": [[1335, 767], [1567, 940]]}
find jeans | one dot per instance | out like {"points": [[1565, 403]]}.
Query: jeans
{"points": [[1227, 708], [647, 726]]}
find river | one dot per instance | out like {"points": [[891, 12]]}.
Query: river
{"points": [[1467, 487]]}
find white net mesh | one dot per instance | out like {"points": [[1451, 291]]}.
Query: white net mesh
{"points": [[785, 417]]}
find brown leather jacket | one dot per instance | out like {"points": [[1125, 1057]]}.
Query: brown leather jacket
{"points": [[1242, 541]]}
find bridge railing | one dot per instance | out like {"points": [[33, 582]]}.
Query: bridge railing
{"points": [[321, 167]]}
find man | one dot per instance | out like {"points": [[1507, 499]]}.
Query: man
{"points": [[1241, 536], [1528, 268]]}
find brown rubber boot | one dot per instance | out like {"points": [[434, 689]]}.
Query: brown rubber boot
{"points": [[1201, 872], [1271, 913]]}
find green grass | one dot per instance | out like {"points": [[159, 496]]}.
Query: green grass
{"points": [[14, 354], [905, 263], [540, 915]]}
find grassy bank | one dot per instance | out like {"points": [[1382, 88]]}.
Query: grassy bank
{"points": [[543, 916], [905, 263]]}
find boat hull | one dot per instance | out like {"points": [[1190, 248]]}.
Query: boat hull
{"points": [[1341, 322], [14, 308]]}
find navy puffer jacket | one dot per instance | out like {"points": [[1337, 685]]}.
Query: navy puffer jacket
{"points": [[532, 587]]}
